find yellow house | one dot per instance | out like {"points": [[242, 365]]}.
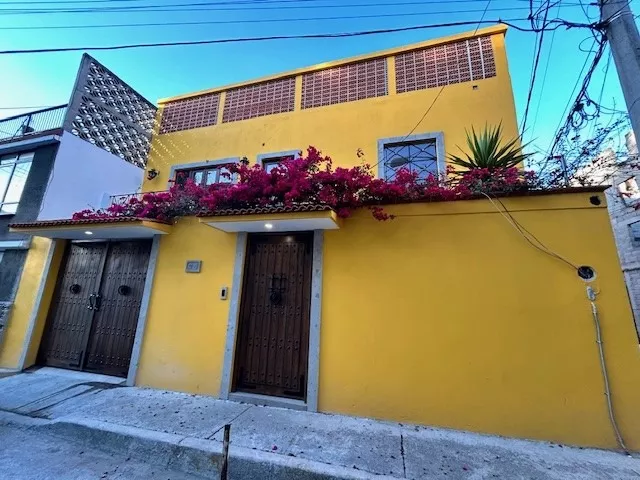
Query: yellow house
{"points": [[450, 315]]}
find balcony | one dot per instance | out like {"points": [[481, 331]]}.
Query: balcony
{"points": [[32, 124]]}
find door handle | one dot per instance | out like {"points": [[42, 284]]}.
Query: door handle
{"points": [[98, 299], [91, 305]]}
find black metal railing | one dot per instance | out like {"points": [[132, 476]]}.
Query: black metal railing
{"points": [[31, 123], [124, 198]]}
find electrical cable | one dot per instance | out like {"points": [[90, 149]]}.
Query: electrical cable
{"points": [[30, 2], [222, 22], [534, 70], [436, 97], [257, 39], [544, 78], [526, 233], [216, 7], [591, 295], [486, 7]]}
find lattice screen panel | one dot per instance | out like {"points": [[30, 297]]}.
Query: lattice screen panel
{"points": [[190, 113], [115, 93], [441, 65], [97, 125], [107, 112], [345, 83], [258, 100]]}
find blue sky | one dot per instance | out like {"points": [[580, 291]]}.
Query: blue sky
{"points": [[47, 78]]}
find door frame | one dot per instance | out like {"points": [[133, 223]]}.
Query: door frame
{"points": [[44, 298], [313, 360]]}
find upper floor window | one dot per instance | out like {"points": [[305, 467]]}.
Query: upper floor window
{"points": [[14, 170], [205, 176], [269, 161], [418, 156], [634, 231]]}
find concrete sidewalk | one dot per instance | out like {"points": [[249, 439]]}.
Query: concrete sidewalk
{"points": [[184, 432]]}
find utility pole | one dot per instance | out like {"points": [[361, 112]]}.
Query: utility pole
{"points": [[624, 40]]}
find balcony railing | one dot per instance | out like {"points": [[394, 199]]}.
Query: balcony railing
{"points": [[32, 123], [124, 198]]}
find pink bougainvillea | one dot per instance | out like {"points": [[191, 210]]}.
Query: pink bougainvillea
{"points": [[312, 180]]}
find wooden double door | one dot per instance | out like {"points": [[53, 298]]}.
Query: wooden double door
{"points": [[273, 336], [94, 313]]}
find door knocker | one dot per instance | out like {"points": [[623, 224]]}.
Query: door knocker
{"points": [[75, 289], [124, 290], [277, 289]]}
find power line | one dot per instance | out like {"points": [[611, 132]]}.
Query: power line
{"points": [[430, 107], [275, 37], [216, 7], [486, 7], [230, 2], [544, 78], [534, 70], [227, 22]]}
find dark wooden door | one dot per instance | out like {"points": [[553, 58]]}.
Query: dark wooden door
{"points": [[117, 308], [69, 322], [93, 318], [273, 336]]}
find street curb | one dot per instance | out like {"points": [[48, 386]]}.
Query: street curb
{"points": [[195, 455]]}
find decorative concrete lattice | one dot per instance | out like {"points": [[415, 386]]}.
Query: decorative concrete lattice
{"points": [[190, 113], [107, 112], [448, 64], [345, 83], [258, 100]]}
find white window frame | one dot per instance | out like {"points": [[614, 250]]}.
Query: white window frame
{"points": [[28, 158], [264, 158], [201, 165], [438, 137]]}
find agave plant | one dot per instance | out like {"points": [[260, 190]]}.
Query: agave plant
{"points": [[489, 151]]}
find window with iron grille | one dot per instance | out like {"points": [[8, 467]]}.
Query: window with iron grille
{"points": [[14, 170], [418, 156]]}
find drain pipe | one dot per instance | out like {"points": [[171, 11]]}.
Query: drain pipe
{"points": [[591, 295]]}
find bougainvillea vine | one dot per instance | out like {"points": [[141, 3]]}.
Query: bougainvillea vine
{"points": [[312, 180]]}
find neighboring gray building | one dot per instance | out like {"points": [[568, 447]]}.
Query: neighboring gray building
{"points": [[60, 160], [623, 201]]}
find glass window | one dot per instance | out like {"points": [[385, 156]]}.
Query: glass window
{"points": [[634, 230], [14, 170], [205, 176], [417, 156], [270, 163]]}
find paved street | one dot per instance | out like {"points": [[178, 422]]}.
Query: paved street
{"points": [[67, 425], [26, 454]]}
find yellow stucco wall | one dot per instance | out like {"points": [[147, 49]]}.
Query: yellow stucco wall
{"points": [[447, 316], [444, 316], [32, 275], [187, 322], [341, 130]]}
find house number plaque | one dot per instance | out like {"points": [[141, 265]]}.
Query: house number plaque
{"points": [[193, 266]]}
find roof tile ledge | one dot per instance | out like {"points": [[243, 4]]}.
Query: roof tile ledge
{"points": [[83, 221]]}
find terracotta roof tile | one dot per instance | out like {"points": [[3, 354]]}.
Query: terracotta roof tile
{"points": [[84, 221], [268, 209]]}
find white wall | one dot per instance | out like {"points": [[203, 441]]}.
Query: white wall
{"points": [[83, 175]]}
